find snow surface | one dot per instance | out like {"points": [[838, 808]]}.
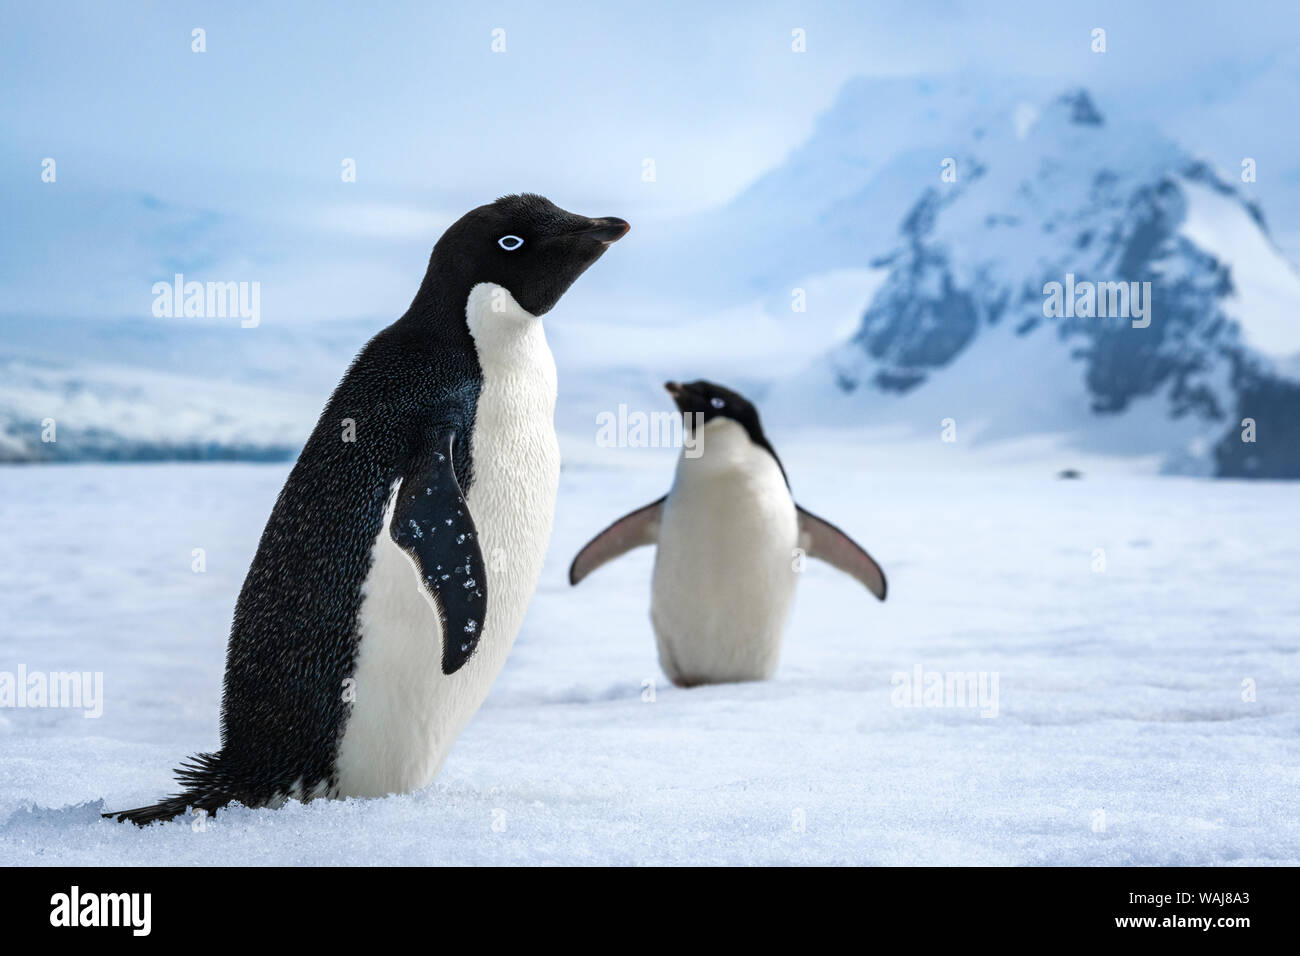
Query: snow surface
{"points": [[1119, 691]]}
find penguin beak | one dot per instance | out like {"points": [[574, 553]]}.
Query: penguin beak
{"points": [[681, 397], [607, 230]]}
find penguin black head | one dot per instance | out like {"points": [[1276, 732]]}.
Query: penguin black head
{"points": [[713, 401], [525, 244]]}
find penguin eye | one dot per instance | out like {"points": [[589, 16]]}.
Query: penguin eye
{"points": [[717, 402], [510, 243]]}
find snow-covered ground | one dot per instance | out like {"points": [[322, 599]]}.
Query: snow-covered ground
{"points": [[1121, 734]]}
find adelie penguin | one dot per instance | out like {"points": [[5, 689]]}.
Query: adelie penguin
{"points": [[727, 534], [399, 559]]}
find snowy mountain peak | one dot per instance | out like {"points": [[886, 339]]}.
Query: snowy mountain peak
{"points": [[1124, 295]]}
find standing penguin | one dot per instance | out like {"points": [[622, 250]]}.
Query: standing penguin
{"points": [[729, 538], [399, 559]]}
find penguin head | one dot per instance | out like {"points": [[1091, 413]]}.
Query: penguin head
{"points": [[713, 401], [525, 244]]}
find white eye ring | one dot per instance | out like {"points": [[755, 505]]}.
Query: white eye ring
{"points": [[510, 243], [717, 402]]}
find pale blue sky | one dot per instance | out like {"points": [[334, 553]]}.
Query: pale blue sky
{"points": [[244, 142], [584, 92]]}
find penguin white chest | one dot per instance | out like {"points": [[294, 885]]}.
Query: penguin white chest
{"points": [[407, 712], [724, 573]]}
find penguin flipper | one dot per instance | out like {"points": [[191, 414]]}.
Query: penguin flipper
{"points": [[633, 530], [431, 523], [822, 540]]}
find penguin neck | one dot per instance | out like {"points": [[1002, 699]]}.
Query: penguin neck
{"points": [[437, 313], [723, 447], [507, 336], [727, 448]]}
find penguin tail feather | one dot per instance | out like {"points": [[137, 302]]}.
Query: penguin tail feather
{"points": [[199, 775]]}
